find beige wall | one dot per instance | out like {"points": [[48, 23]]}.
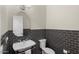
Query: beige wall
{"points": [[13, 10], [34, 17], [0, 23], [41, 17], [62, 17], [38, 17], [4, 23]]}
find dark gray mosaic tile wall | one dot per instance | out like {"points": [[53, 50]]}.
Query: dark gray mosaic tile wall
{"points": [[72, 42], [56, 39], [63, 39]]}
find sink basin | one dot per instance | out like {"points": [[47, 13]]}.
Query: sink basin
{"points": [[23, 45]]}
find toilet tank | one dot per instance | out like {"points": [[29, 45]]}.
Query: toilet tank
{"points": [[42, 43]]}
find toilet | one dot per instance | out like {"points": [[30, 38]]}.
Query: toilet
{"points": [[45, 50]]}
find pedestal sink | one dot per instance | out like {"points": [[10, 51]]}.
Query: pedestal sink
{"points": [[24, 45], [1, 49]]}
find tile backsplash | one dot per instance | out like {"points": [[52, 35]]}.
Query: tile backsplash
{"points": [[56, 39], [63, 39]]}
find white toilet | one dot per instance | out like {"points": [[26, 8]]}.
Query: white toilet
{"points": [[45, 50]]}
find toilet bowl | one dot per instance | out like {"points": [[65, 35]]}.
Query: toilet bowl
{"points": [[48, 51], [45, 50]]}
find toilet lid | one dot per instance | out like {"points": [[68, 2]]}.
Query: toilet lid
{"points": [[48, 51]]}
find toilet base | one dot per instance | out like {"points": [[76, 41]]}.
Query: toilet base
{"points": [[47, 51]]}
